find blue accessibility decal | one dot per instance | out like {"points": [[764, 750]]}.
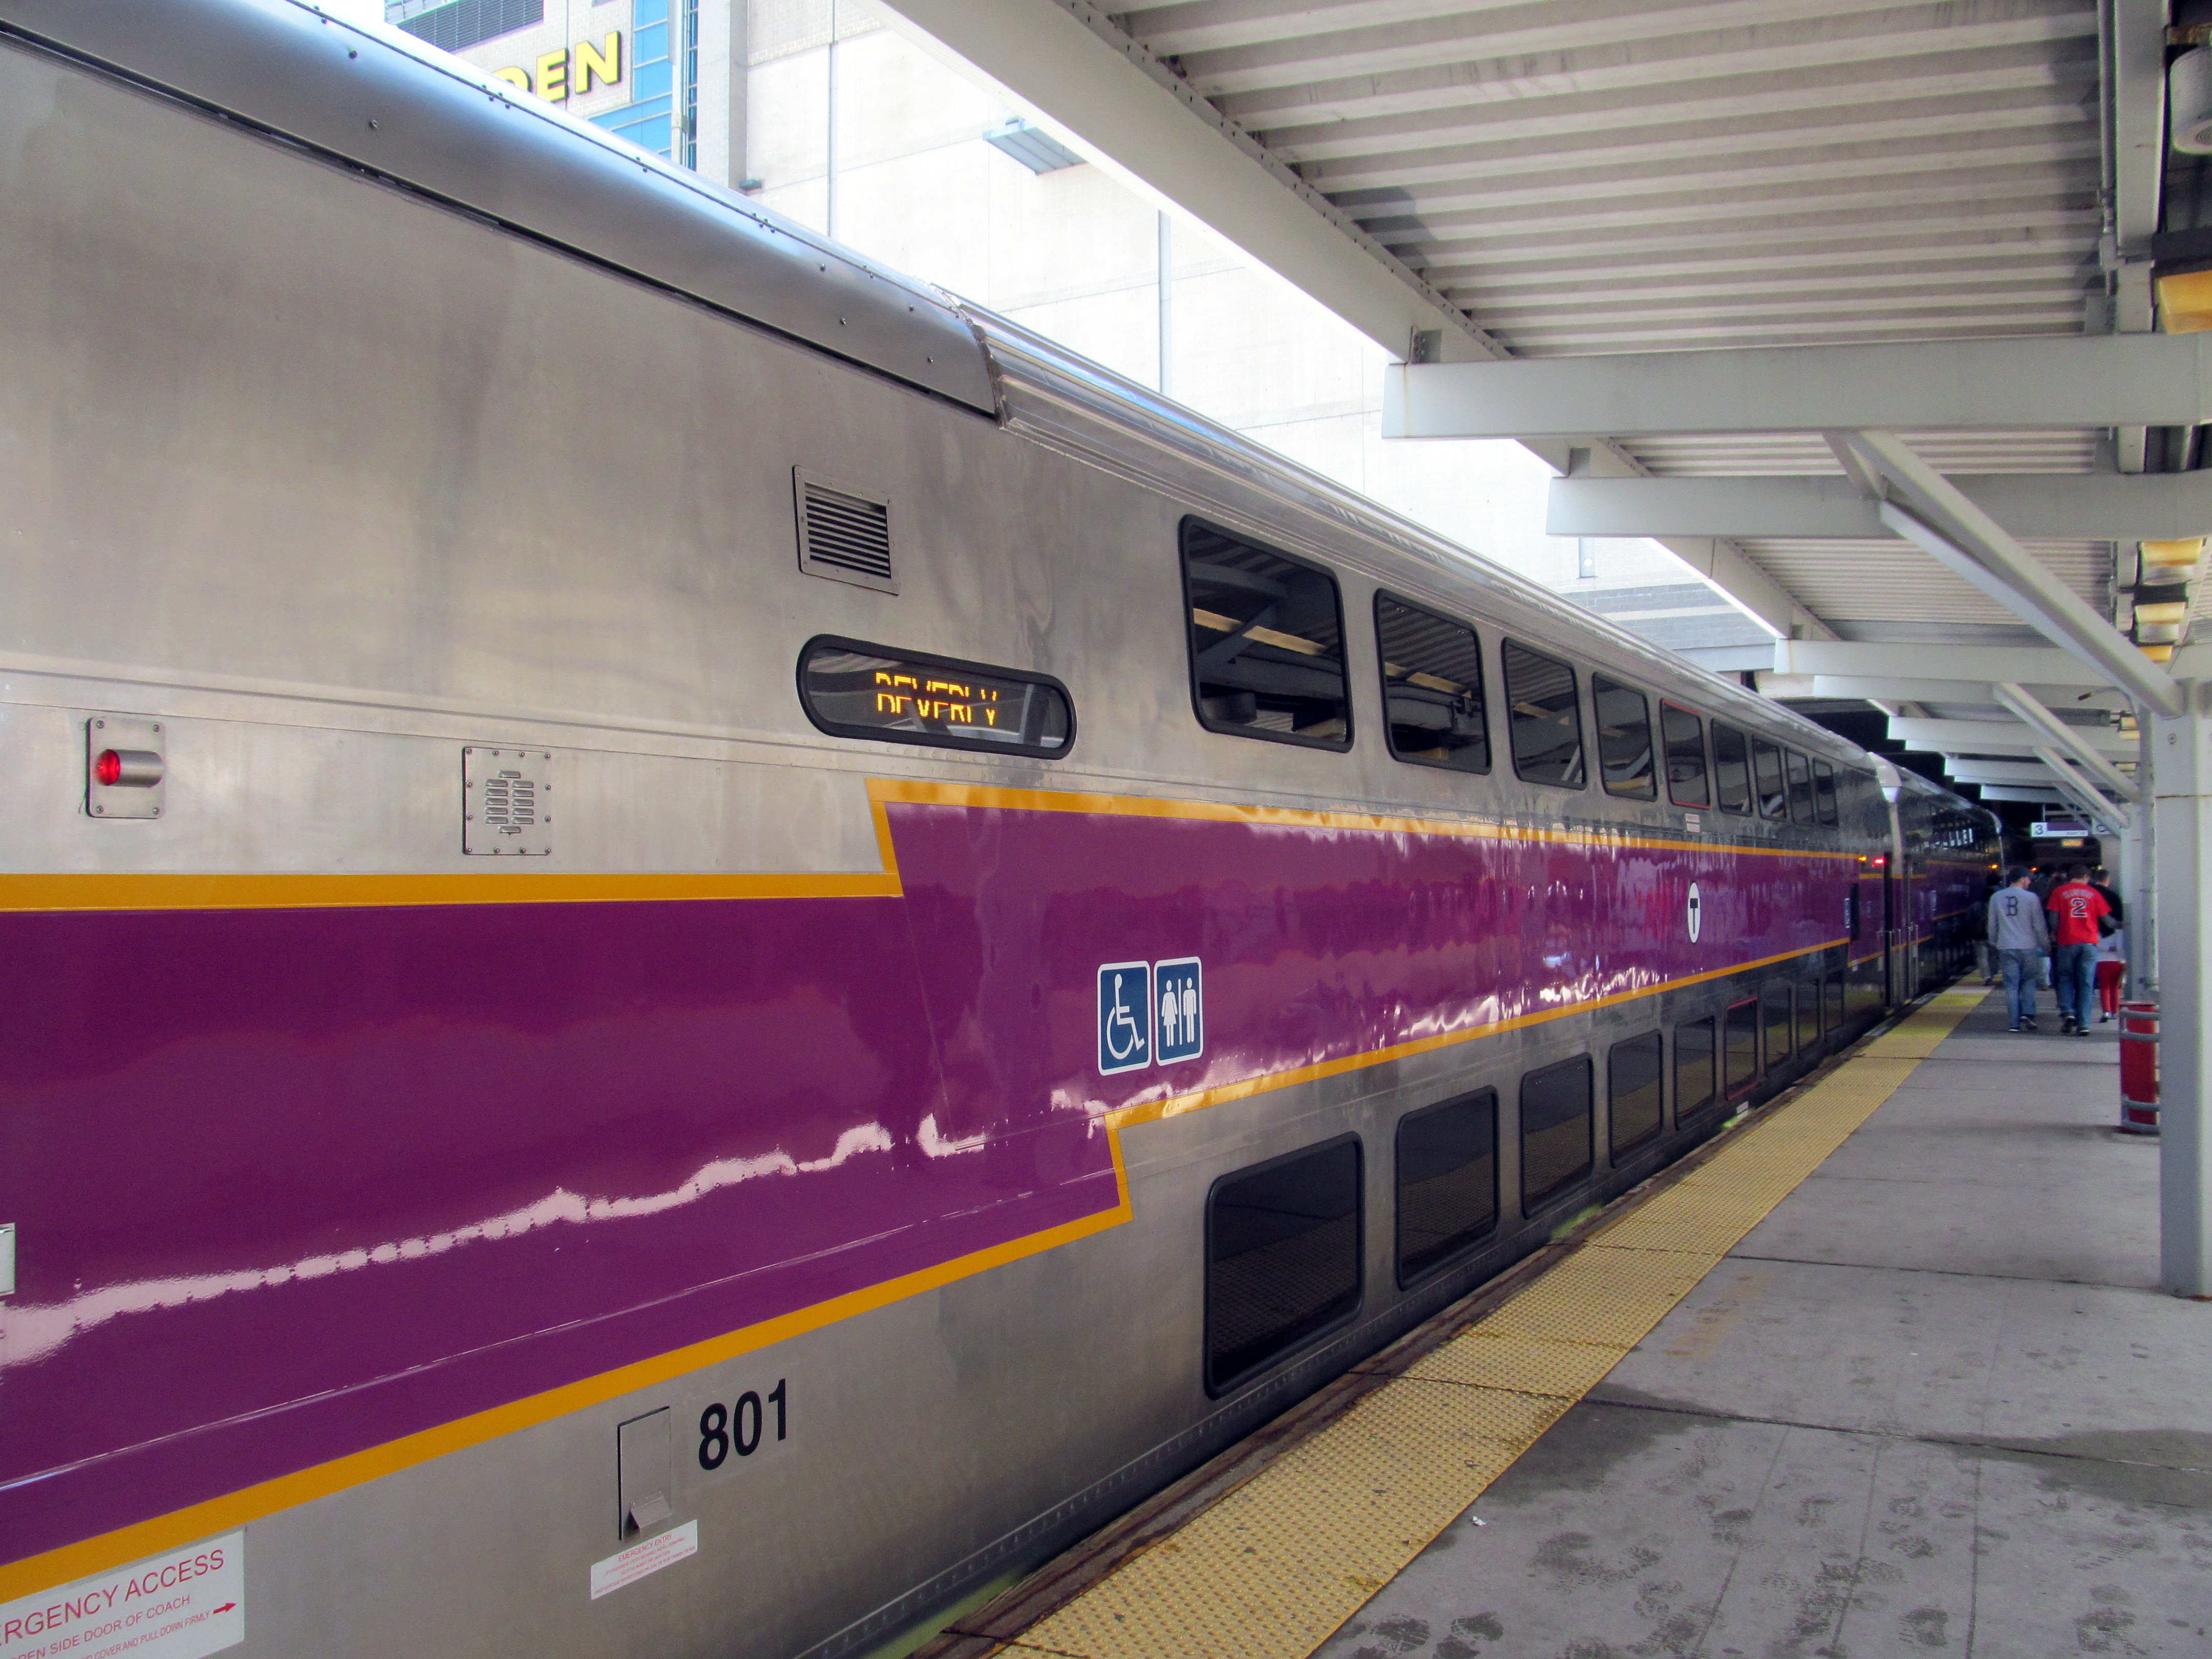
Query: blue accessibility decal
{"points": [[1125, 1017], [1179, 994]]}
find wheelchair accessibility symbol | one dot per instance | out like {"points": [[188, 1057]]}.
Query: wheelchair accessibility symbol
{"points": [[1125, 1017], [1150, 1013]]}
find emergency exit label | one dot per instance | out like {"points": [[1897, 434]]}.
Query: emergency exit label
{"points": [[183, 1605]]}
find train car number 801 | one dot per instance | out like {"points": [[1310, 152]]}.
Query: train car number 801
{"points": [[753, 1423]]}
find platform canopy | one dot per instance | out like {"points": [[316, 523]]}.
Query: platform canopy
{"points": [[1853, 305]]}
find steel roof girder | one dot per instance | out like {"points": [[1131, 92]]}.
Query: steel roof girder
{"points": [[2045, 381], [2059, 506], [1956, 737]]}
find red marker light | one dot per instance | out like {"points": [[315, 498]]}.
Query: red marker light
{"points": [[108, 768]]}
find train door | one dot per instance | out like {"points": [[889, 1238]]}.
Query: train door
{"points": [[1892, 971]]}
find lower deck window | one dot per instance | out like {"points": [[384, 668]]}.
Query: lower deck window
{"points": [[1282, 1258], [1696, 1085], [1555, 1130], [1635, 1090], [1742, 1054], [1808, 1015], [1447, 1181], [1774, 1002], [1831, 1004]]}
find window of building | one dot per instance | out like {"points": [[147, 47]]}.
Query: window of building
{"points": [[1624, 738], [1731, 769], [1555, 1130], [1774, 1005], [1824, 792], [1447, 1181], [1267, 642], [1801, 786], [1282, 1258], [1741, 1055], [852, 690], [1697, 1084], [1431, 687], [1766, 771], [1636, 1090], [1545, 717], [1685, 736]]}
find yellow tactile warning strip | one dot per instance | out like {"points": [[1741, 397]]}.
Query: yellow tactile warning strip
{"points": [[1274, 1567]]}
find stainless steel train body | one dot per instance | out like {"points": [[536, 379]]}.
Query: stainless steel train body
{"points": [[553, 1132]]}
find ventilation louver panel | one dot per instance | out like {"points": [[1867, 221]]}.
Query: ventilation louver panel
{"points": [[844, 533]]}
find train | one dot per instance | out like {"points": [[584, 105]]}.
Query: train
{"points": [[701, 948]]}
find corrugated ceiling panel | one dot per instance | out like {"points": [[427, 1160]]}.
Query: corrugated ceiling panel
{"points": [[1606, 175], [1894, 582]]}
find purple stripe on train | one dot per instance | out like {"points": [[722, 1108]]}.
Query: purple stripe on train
{"points": [[292, 1184]]}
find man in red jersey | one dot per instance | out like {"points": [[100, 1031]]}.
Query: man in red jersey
{"points": [[2075, 907]]}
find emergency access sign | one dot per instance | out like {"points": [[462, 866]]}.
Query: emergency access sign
{"points": [[183, 1605]]}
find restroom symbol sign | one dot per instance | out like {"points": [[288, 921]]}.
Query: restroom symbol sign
{"points": [[1125, 1017], [1696, 911], [1179, 1001]]}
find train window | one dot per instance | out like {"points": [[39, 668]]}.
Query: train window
{"points": [[850, 689], [1545, 717], [1624, 738], [1635, 1090], [1555, 1130], [1266, 642], [1447, 1181], [1685, 735], [1696, 1086], [1831, 1004], [1282, 1258], [1824, 792], [1741, 1055], [1774, 1005], [1808, 1015], [1801, 786], [1731, 769], [1766, 774], [1432, 687]]}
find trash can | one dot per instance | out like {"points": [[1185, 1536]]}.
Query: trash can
{"points": [[2139, 1068]]}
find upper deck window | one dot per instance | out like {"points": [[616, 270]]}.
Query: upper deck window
{"points": [[1766, 773], [851, 689], [1686, 785], [1267, 642], [1431, 687], [1732, 767], [1545, 717], [1801, 786], [1824, 792], [1624, 738]]}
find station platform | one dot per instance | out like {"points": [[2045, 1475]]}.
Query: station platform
{"points": [[1884, 1370]]}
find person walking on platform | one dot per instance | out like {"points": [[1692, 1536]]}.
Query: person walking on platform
{"points": [[2111, 972], [2075, 909], [2020, 939]]}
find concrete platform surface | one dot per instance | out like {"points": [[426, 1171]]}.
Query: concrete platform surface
{"points": [[1932, 1404]]}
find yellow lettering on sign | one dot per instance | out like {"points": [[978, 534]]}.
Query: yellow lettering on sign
{"points": [[553, 77], [514, 76], [591, 60]]}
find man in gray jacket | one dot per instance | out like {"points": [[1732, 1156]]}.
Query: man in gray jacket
{"points": [[2019, 936]]}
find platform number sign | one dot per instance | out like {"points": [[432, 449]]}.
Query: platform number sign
{"points": [[1150, 1014]]}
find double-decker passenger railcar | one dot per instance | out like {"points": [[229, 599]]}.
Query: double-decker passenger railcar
{"points": [[697, 949]]}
